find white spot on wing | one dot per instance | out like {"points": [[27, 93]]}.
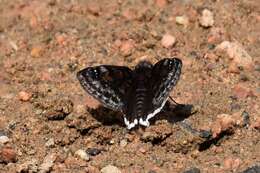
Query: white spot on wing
{"points": [[149, 116], [130, 124]]}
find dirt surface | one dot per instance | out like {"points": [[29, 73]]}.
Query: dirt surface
{"points": [[49, 124]]}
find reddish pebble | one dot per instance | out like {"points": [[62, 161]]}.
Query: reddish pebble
{"points": [[34, 21], [224, 122], [45, 76], [127, 47], [160, 3], [24, 96], [168, 41], [94, 8], [233, 68], [7, 155], [36, 51], [61, 39], [216, 129], [129, 14], [232, 163], [216, 35], [241, 91], [142, 150]]}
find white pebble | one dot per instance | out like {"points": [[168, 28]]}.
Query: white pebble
{"points": [[50, 143], [168, 41], [82, 154], [123, 143], [182, 20], [207, 19], [110, 169], [4, 139]]}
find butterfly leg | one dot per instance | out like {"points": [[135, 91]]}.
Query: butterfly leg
{"points": [[174, 101]]}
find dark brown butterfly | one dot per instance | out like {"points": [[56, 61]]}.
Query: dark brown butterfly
{"points": [[140, 93]]}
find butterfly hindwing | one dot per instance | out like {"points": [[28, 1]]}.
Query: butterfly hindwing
{"points": [[108, 84], [166, 75]]}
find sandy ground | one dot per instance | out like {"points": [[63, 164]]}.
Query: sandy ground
{"points": [[49, 124]]}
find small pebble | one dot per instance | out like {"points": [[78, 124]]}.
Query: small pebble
{"points": [[161, 3], [50, 143], [110, 169], [93, 151], [182, 20], [126, 47], [142, 150], [48, 163], [192, 170], [37, 51], [38, 111], [82, 154], [216, 35], [24, 96], [233, 68], [193, 54], [94, 8], [246, 120], [7, 155], [232, 163], [206, 20], [237, 54], [147, 136], [241, 91], [168, 41], [152, 171], [123, 143], [61, 39], [13, 45], [224, 122], [4, 139], [234, 106], [55, 115]]}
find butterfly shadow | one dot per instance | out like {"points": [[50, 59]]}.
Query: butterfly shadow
{"points": [[107, 116], [174, 113], [171, 112]]}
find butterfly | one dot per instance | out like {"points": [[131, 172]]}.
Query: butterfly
{"points": [[139, 94]]}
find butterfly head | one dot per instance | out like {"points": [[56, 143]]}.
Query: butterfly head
{"points": [[143, 65], [143, 70]]}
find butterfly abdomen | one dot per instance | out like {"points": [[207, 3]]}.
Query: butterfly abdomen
{"points": [[140, 100]]}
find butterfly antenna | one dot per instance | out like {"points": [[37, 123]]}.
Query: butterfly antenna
{"points": [[174, 101]]}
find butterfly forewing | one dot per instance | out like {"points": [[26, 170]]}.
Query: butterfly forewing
{"points": [[108, 84], [166, 74]]}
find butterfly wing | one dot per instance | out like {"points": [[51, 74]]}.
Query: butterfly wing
{"points": [[108, 84], [166, 74]]}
